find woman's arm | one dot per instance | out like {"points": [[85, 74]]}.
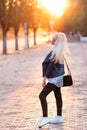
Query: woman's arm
{"points": [[47, 73], [49, 69]]}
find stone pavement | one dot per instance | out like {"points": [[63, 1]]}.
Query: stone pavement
{"points": [[20, 85]]}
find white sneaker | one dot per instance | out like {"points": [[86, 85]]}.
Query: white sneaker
{"points": [[43, 122], [57, 119]]}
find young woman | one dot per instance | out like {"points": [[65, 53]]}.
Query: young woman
{"points": [[53, 71]]}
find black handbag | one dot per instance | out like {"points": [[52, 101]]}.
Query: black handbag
{"points": [[67, 79]]}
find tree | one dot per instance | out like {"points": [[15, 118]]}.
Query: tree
{"points": [[83, 17], [28, 9], [75, 17], [70, 18], [26, 15], [4, 21], [15, 18], [8, 10], [35, 19]]}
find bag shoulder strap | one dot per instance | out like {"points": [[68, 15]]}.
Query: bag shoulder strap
{"points": [[67, 66]]}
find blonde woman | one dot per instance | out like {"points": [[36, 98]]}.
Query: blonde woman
{"points": [[53, 71]]}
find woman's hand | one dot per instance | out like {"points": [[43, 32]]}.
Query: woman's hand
{"points": [[44, 82]]}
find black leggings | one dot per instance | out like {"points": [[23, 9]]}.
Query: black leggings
{"points": [[57, 92]]}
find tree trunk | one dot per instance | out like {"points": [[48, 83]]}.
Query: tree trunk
{"points": [[4, 41], [26, 32], [35, 36], [16, 38]]}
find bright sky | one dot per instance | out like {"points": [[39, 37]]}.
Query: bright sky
{"points": [[56, 7]]}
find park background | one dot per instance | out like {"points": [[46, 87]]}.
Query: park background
{"points": [[26, 28], [26, 21]]}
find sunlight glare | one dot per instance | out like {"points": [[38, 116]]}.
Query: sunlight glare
{"points": [[56, 7]]}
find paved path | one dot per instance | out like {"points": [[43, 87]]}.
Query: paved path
{"points": [[20, 85]]}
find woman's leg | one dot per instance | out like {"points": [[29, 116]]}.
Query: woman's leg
{"points": [[46, 90], [59, 103]]}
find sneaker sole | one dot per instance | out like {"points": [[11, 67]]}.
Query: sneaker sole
{"points": [[44, 124], [56, 122]]}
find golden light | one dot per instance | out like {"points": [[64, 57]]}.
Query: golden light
{"points": [[56, 7]]}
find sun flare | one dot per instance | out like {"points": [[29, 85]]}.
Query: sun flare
{"points": [[56, 7]]}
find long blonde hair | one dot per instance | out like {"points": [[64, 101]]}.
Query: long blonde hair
{"points": [[60, 48]]}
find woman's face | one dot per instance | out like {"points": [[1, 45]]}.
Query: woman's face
{"points": [[54, 39]]}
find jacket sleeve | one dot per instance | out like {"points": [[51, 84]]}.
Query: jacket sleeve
{"points": [[49, 69]]}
